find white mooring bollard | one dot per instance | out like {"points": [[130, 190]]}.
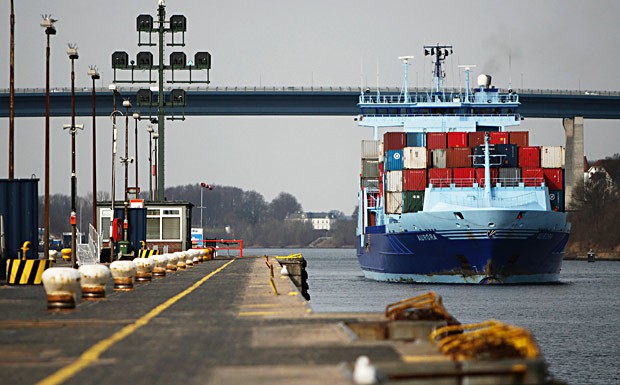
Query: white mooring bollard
{"points": [[61, 286], [93, 280], [144, 269], [173, 261], [160, 261], [123, 273]]}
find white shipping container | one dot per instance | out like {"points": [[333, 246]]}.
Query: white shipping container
{"points": [[509, 176], [394, 180], [370, 149], [381, 151], [394, 203], [552, 157], [414, 157], [439, 158], [370, 168]]}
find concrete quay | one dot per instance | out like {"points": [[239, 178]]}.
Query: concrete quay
{"points": [[220, 322]]}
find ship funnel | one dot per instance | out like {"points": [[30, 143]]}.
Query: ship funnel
{"points": [[484, 81]]}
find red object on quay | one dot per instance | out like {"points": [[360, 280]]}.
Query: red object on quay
{"points": [[440, 177], [458, 157], [457, 139], [394, 141], [498, 137], [553, 178], [529, 157], [414, 180], [436, 140], [463, 177]]}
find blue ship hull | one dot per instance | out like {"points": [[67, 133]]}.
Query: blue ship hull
{"points": [[510, 256]]}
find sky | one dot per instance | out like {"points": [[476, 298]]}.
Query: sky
{"points": [[559, 44]]}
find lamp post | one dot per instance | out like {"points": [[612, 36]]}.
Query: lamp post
{"points": [[115, 92], [155, 137], [150, 131], [48, 24], [136, 117], [94, 74], [126, 160], [73, 55]]}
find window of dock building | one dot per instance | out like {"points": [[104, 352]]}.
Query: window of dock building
{"points": [[163, 224]]}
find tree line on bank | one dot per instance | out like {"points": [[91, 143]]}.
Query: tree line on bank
{"points": [[228, 212], [594, 211]]}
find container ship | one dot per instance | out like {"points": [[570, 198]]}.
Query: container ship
{"points": [[454, 192]]}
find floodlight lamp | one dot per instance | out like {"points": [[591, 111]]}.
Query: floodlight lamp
{"points": [[47, 21], [93, 72], [72, 51], [112, 87], [150, 129], [126, 103], [136, 115], [155, 135]]}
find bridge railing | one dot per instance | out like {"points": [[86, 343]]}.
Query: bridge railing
{"points": [[385, 90]]}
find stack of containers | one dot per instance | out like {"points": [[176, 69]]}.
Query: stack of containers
{"points": [[413, 161], [393, 147], [552, 162], [416, 160], [371, 175]]}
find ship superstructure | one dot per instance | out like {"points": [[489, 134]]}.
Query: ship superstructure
{"points": [[449, 195]]}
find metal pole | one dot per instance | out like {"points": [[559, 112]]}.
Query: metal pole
{"points": [[160, 178], [73, 175], [155, 168], [46, 209], [136, 155], [126, 202], [201, 206], [114, 131], [12, 94], [150, 166], [94, 77]]}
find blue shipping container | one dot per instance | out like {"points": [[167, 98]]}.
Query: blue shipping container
{"points": [[510, 154], [556, 199], [394, 160], [136, 226], [19, 208], [416, 139]]}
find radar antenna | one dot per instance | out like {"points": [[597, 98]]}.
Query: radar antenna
{"points": [[440, 52]]}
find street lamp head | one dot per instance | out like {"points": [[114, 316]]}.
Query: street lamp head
{"points": [[48, 24], [126, 103], [150, 128], [136, 115], [72, 51], [155, 135], [93, 72]]}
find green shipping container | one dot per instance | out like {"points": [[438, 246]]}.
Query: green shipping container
{"points": [[413, 201]]}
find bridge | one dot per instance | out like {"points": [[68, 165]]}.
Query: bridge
{"points": [[570, 106], [326, 101]]}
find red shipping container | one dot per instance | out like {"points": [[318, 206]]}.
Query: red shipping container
{"points": [[457, 139], [520, 138], [480, 176], [463, 177], [476, 139], [394, 141], [498, 137], [436, 140], [529, 157], [458, 157], [414, 180], [440, 177], [532, 176], [553, 178]]}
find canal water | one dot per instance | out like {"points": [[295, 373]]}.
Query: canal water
{"points": [[576, 323]]}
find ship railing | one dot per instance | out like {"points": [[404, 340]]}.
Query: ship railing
{"points": [[511, 116], [480, 182], [441, 97], [476, 200]]}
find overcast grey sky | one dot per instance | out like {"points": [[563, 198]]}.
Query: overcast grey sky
{"points": [[560, 44]]}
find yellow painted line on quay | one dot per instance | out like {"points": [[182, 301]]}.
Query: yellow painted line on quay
{"points": [[94, 352]]}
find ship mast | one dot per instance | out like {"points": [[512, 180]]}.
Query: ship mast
{"points": [[440, 52], [487, 171], [405, 91]]}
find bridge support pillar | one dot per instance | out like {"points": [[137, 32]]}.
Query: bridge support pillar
{"points": [[573, 128]]}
